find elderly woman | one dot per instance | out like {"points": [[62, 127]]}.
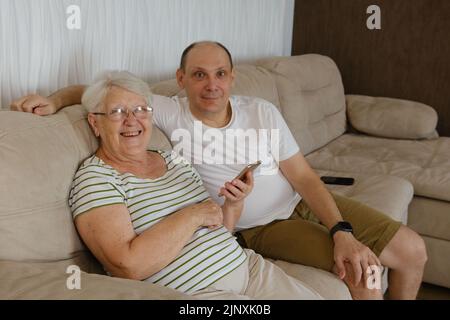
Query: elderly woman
{"points": [[145, 214]]}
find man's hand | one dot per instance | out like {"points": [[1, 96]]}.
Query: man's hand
{"points": [[360, 257], [35, 104], [235, 193], [236, 190]]}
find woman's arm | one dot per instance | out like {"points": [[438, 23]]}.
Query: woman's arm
{"points": [[109, 234]]}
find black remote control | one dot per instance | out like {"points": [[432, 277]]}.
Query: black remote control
{"points": [[337, 180]]}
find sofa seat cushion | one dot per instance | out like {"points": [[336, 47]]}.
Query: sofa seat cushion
{"points": [[430, 217], [48, 280], [425, 163], [388, 194], [328, 285]]}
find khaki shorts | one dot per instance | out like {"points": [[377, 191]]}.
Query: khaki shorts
{"points": [[304, 240]]}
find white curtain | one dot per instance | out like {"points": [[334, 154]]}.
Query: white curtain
{"points": [[39, 53]]}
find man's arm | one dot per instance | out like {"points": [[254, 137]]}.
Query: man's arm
{"points": [[44, 106], [308, 184]]}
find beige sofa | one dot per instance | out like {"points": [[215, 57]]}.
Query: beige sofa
{"points": [[39, 156]]}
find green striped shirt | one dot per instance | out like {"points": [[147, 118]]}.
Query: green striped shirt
{"points": [[207, 256]]}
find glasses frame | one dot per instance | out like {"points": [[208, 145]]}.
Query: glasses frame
{"points": [[126, 113]]}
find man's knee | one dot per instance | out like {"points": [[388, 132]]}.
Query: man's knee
{"points": [[420, 249], [413, 249]]}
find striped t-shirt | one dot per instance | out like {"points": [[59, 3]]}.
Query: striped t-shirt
{"points": [[208, 256]]}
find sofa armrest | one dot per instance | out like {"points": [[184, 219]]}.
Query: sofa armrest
{"points": [[391, 118], [22, 280]]}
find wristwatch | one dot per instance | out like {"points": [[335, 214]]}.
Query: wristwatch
{"points": [[341, 226]]}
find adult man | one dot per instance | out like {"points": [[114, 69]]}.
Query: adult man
{"points": [[272, 223]]}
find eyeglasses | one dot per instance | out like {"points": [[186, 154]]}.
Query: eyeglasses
{"points": [[121, 113]]}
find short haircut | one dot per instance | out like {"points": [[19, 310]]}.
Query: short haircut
{"points": [[193, 45], [96, 93]]}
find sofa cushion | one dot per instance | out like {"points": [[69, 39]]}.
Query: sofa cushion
{"points": [[311, 97], [328, 285], [391, 118], [430, 217], [437, 266], [40, 156], [388, 194], [425, 163], [48, 280]]}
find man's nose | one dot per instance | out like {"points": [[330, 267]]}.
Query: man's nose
{"points": [[211, 83]]}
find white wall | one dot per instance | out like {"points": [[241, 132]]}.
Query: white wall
{"points": [[38, 53]]}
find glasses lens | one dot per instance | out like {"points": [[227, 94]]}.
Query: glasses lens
{"points": [[117, 114], [142, 112]]}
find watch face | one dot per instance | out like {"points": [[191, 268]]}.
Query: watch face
{"points": [[344, 225]]}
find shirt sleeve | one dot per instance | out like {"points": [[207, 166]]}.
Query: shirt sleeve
{"points": [[179, 160], [92, 189], [165, 110], [283, 142]]}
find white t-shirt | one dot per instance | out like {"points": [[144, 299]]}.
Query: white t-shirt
{"points": [[218, 158]]}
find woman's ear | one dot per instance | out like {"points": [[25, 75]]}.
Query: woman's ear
{"points": [[94, 124]]}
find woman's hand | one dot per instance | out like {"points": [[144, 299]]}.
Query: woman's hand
{"points": [[208, 212]]}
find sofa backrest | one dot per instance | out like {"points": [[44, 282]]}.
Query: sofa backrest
{"points": [[38, 158], [311, 96], [307, 89]]}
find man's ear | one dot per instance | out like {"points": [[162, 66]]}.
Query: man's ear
{"points": [[93, 123], [180, 78], [233, 75]]}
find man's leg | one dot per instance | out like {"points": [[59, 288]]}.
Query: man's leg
{"points": [[405, 256], [303, 242], [398, 247]]}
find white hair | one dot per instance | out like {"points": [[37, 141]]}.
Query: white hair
{"points": [[95, 94]]}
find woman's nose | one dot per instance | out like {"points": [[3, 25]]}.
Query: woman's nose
{"points": [[130, 117]]}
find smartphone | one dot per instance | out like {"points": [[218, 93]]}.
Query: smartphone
{"points": [[248, 168], [337, 180]]}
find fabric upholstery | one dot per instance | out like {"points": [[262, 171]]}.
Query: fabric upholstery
{"points": [[48, 280], [388, 194], [391, 118], [425, 163], [311, 98], [437, 267], [430, 217]]}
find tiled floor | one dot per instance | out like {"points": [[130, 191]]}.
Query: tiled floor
{"points": [[432, 292]]}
